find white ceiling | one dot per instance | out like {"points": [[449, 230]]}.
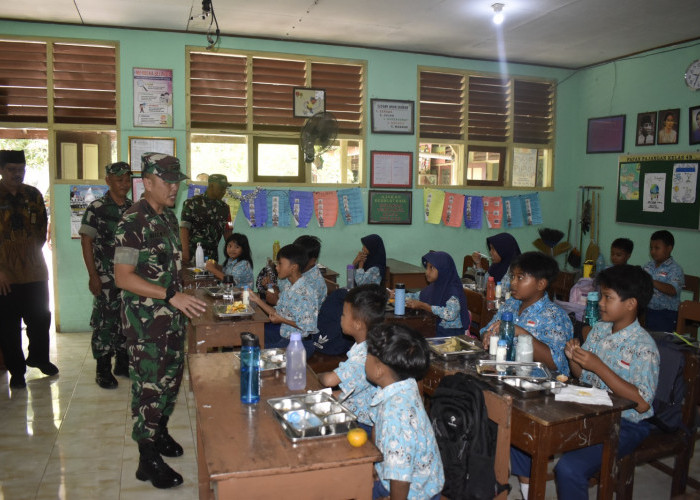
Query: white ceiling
{"points": [[563, 33]]}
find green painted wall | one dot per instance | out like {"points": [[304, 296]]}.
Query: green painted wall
{"points": [[629, 87]]}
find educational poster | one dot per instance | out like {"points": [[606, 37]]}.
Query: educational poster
{"points": [[254, 205], [153, 97], [195, 189], [326, 205], [233, 199], [532, 210], [685, 178], [473, 212], [493, 208], [80, 198], [453, 209], [278, 213], [654, 192], [302, 205], [524, 167], [629, 181], [433, 201], [513, 212], [350, 203]]}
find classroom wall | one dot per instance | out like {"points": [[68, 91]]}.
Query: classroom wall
{"points": [[390, 75]]}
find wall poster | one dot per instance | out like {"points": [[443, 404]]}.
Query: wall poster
{"points": [[153, 98]]}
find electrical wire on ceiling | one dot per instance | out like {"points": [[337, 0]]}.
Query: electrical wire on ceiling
{"points": [[301, 19], [213, 35]]}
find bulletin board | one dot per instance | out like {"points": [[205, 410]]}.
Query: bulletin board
{"points": [[659, 190], [389, 207]]}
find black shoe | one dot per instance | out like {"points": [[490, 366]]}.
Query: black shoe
{"points": [[17, 382], [46, 368], [152, 468], [104, 377], [121, 364], [165, 444]]}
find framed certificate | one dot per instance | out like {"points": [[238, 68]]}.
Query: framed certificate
{"points": [[391, 169]]}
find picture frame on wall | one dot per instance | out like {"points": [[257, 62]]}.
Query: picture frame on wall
{"points": [[606, 134], [667, 121], [141, 145], [391, 169], [694, 125], [391, 116], [646, 129], [390, 207], [308, 102]]}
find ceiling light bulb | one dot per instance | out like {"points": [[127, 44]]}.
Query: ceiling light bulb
{"points": [[498, 13]]}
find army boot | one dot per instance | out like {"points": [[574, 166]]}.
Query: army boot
{"points": [[152, 468], [104, 377], [165, 444], [121, 363]]}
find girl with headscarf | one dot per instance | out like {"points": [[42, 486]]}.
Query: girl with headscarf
{"points": [[503, 249], [444, 295], [370, 263]]}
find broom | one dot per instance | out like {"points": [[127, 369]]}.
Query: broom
{"points": [[593, 250], [548, 240], [574, 258]]}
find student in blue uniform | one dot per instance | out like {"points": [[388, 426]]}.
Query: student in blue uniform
{"points": [[238, 263], [370, 263], [668, 279]]}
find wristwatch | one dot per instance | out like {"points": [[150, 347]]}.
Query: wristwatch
{"points": [[170, 293]]}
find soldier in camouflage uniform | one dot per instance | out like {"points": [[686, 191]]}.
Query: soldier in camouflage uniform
{"points": [[147, 262], [97, 241], [205, 219]]}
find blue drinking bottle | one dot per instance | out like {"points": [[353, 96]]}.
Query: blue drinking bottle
{"points": [[250, 368], [507, 333], [400, 299]]}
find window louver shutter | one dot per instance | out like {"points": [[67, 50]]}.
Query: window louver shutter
{"points": [[533, 112], [441, 105], [84, 82], [23, 82], [273, 84], [218, 91], [488, 109], [343, 86]]}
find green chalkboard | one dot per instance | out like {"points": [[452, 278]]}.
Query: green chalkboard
{"points": [[389, 207], [659, 190]]}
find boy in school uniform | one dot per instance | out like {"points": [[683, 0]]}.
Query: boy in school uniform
{"points": [[533, 313], [312, 246], [621, 251], [363, 308], [668, 280], [412, 469]]}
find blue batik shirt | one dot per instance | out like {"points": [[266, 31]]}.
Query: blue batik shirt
{"points": [[369, 277], [632, 354], [241, 271], [299, 303], [449, 314], [667, 272], [316, 281], [352, 378], [404, 435], [545, 321]]}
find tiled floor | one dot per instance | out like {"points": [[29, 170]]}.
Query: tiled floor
{"points": [[64, 437]]}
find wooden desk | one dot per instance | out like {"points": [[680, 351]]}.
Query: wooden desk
{"points": [[329, 274], [242, 451], [542, 427], [207, 331], [421, 321], [189, 281], [403, 272]]}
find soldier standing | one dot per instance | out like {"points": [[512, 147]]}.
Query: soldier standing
{"points": [[97, 240], [24, 277], [147, 264], [205, 219]]}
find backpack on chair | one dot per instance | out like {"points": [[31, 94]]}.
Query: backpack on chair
{"points": [[466, 438]]}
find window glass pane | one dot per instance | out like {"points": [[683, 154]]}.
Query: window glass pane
{"points": [[339, 165], [439, 164], [219, 154], [278, 160], [83, 154], [485, 165]]}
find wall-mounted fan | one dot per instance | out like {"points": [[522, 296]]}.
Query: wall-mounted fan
{"points": [[317, 135]]}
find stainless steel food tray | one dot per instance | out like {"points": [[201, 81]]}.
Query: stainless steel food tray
{"points": [[220, 312], [534, 372], [200, 273], [218, 291], [462, 348], [311, 416], [525, 388], [270, 359]]}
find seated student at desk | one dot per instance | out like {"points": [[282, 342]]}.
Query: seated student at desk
{"points": [[312, 274], [444, 295], [238, 263], [668, 280], [533, 313], [503, 249], [370, 263]]}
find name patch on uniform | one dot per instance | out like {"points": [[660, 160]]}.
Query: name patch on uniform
{"points": [[663, 275], [624, 364], [531, 322]]}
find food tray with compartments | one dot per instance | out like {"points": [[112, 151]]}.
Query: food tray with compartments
{"points": [[221, 311], [311, 416], [270, 359], [218, 291], [531, 371], [448, 347], [198, 272], [525, 388]]}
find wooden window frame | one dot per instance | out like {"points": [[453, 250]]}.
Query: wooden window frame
{"points": [[301, 167]]}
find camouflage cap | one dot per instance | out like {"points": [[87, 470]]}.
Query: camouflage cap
{"points": [[164, 166], [118, 168], [219, 179], [10, 156]]}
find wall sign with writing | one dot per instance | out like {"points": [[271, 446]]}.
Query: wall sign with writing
{"points": [[392, 117], [389, 207], [391, 169]]}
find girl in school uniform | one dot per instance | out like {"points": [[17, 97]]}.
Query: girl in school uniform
{"points": [[444, 296], [238, 263], [370, 263], [503, 249]]}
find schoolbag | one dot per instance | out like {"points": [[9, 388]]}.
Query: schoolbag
{"points": [[670, 391], [466, 438]]}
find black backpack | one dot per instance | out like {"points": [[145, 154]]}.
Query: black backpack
{"points": [[466, 438]]}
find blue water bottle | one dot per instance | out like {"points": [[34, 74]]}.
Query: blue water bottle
{"points": [[507, 333], [350, 277], [399, 299], [592, 313], [250, 368]]}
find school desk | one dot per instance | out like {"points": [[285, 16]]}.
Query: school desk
{"points": [[242, 451], [328, 273], [189, 280], [419, 320], [402, 272], [543, 427]]}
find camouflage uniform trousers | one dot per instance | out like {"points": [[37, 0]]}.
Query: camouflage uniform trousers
{"points": [[107, 335], [156, 362]]}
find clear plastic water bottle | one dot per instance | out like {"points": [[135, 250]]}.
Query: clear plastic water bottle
{"points": [[507, 333], [228, 288], [296, 363], [491, 294], [592, 314], [350, 276], [399, 299], [245, 296], [199, 257], [600, 263], [250, 368]]}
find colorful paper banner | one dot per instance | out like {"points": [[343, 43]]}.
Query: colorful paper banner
{"points": [[350, 204], [452, 210], [326, 208], [473, 212], [493, 208], [433, 200], [254, 207], [302, 205], [278, 212], [512, 212]]}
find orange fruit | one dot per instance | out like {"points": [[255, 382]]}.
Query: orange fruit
{"points": [[357, 437]]}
